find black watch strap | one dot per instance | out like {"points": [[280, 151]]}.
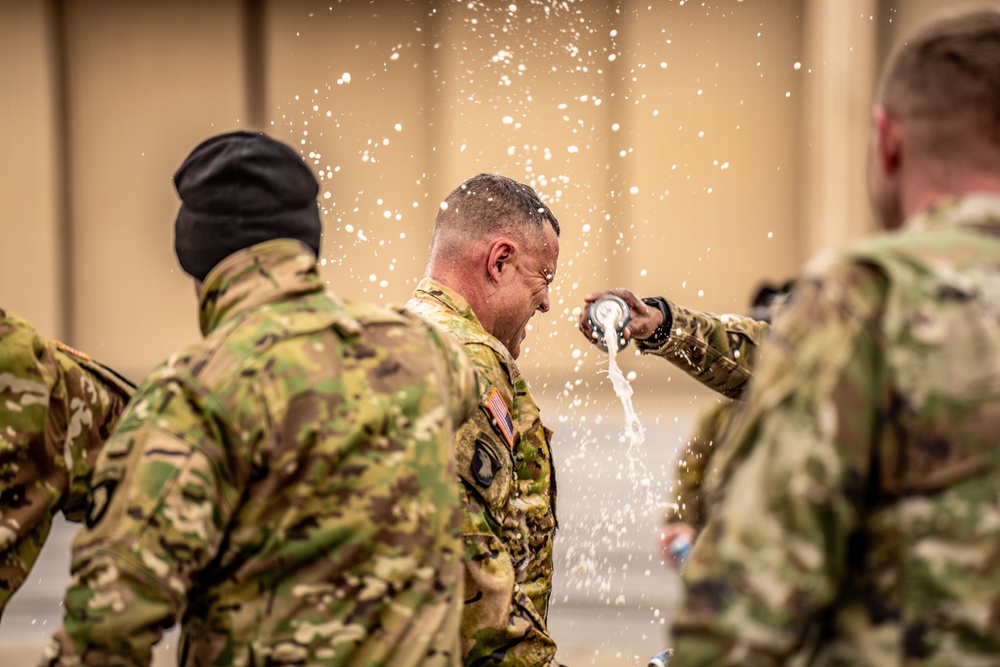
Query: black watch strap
{"points": [[662, 332]]}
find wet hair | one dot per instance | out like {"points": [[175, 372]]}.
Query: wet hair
{"points": [[490, 204], [944, 82]]}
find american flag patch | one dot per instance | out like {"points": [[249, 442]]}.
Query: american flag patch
{"points": [[501, 415]]}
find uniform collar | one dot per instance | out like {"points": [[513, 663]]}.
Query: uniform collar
{"points": [[435, 296], [449, 298], [978, 210], [255, 276]]}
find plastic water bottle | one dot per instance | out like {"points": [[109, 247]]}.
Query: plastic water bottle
{"points": [[680, 549], [609, 308]]}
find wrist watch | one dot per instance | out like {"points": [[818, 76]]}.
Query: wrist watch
{"points": [[662, 332]]}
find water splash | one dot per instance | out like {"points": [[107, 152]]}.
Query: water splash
{"points": [[633, 428]]}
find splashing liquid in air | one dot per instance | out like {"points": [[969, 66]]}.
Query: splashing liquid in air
{"points": [[633, 429]]}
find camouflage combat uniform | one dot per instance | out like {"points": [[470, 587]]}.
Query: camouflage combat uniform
{"points": [[57, 407], [720, 352], [716, 350], [287, 485], [508, 487], [696, 463], [858, 521]]}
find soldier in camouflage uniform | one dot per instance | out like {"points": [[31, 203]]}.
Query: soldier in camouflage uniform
{"points": [[685, 516], [684, 519], [287, 486], [856, 521], [57, 407], [492, 258], [718, 351]]}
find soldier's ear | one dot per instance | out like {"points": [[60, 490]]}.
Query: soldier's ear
{"points": [[889, 141], [502, 254]]}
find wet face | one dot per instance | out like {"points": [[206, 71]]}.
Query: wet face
{"points": [[524, 289]]}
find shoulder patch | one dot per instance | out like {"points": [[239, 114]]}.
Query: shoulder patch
{"points": [[484, 464], [501, 416]]}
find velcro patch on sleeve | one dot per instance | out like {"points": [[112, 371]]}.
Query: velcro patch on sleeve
{"points": [[501, 416], [484, 464]]}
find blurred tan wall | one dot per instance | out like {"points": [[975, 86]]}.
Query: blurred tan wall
{"points": [[32, 246], [690, 149]]}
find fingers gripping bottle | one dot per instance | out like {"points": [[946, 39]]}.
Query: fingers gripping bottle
{"points": [[609, 311]]}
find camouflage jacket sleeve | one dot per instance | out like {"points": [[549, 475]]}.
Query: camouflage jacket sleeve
{"points": [[162, 468], [716, 350], [56, 407], [773, 553], [500, 625], [695, 462]]}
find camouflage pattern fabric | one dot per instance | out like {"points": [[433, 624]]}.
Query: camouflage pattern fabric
{"points": [[57, 407], [716, 350], [730, 376], [287, 486], [857, 520], [509, 493], [696, 463]]}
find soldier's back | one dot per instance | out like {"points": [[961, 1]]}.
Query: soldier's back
{"points": [[344, 544], [931, 536]]}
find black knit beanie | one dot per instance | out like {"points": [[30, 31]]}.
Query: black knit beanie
{"points": [[237, 190]]}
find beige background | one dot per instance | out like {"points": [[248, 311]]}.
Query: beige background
{"points": [[690, 149]]}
